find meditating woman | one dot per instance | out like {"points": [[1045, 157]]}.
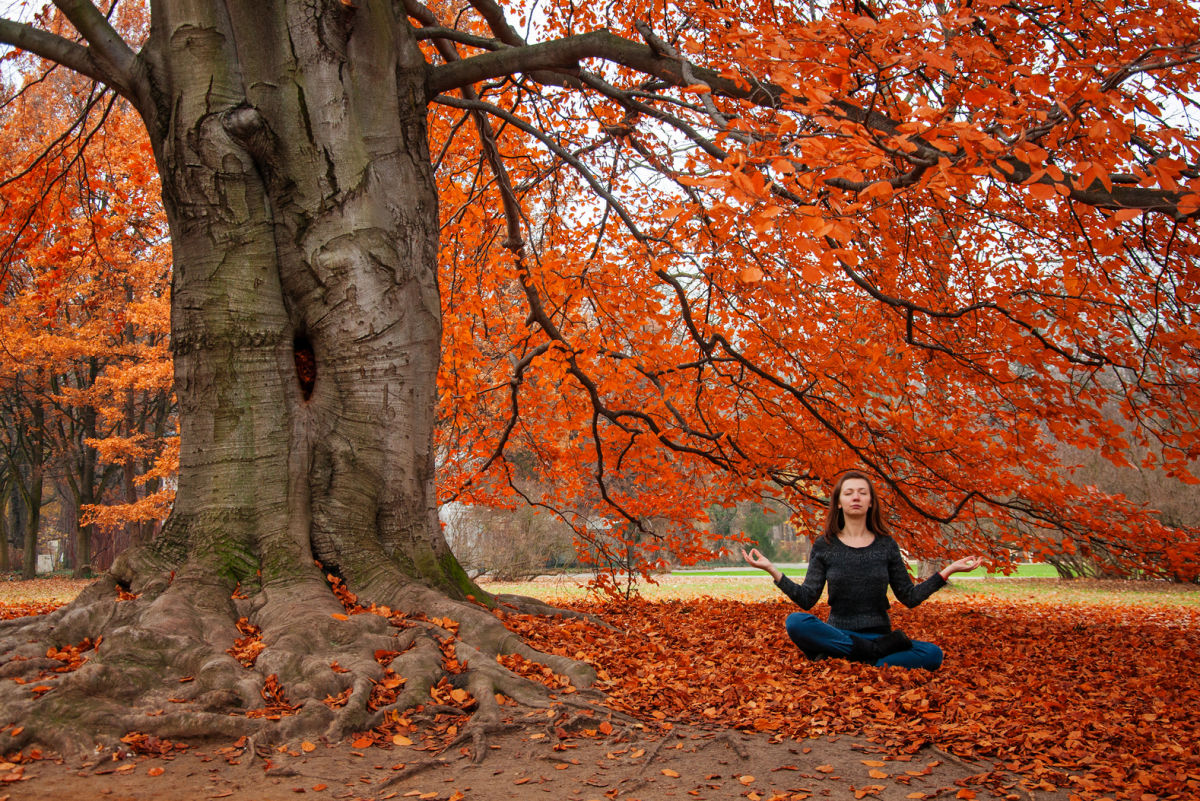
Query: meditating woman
{"points": [[859, 561]]}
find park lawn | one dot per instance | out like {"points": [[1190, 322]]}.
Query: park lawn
{"points": [[44, 593], [36, 595], [1023, 570], [757, 587]]}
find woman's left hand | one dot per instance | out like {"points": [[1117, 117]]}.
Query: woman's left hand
{"points": [[964, 565]]}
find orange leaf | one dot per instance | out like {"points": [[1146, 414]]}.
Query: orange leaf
{"points": [[1042, 191], [672, 773]]}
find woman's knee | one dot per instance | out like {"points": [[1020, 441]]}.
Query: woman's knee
{"points": [[928, 655], [798, 623], [919, 655]]}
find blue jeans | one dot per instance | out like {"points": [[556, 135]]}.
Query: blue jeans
{"points": [[818, 639]]}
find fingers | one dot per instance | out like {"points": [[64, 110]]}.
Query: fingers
{"points": [[754, 557]]}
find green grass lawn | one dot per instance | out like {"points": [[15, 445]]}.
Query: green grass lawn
{"points": [[1024, 570], [1034, 586], [1032, 583]]}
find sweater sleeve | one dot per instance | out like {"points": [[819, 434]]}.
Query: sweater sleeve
{"points": [[906, 591], [807, 594]]}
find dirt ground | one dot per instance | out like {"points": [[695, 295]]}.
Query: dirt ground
{"points": [[686, 763]]}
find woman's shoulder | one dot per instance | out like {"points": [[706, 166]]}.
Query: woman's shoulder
{"points": [[885, 542]]}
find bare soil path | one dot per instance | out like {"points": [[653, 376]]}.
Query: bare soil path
{"points": [[685, 763]]}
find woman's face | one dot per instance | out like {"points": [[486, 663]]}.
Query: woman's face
{"points": [[855, 497]]}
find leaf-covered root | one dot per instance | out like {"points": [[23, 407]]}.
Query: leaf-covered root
{"points": [[463, 657], [186, 658]]}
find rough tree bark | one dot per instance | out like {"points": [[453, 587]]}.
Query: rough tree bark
{"points": [[291, 143]]}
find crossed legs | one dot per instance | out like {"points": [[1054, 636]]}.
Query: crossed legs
{"points": [[817, 639]]}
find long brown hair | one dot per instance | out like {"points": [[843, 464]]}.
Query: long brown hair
{"points": [[835, 521]]}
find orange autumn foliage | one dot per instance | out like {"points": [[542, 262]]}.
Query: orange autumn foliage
{"points": [[1110, 717], [1111, 714], [85, 322], [931, 241]]}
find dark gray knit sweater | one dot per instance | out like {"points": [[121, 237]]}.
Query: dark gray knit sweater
{"points": [[858, 581]]}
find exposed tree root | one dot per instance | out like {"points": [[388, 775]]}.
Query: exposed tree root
{"points": [[533, 606], [477, 733], [411, 770], [186, 658]]}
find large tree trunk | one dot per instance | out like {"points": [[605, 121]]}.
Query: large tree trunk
{"points": [[306, 335], [303, 213]]}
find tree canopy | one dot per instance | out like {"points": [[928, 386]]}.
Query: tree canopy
{"points": [[931, 240]]}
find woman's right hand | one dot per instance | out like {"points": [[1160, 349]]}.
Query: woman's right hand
{"points": [[755, 558]]}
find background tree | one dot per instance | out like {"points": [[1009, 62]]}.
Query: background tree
{"points": [[757, 527], [85, 316], [911, 238]]}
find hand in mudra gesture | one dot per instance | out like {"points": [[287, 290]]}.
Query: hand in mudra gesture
{"points": [[755, 558], [964, 565]]}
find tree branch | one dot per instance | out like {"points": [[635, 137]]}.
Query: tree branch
{"points": [[461, 37], [498, 22], [554, 147], [107, 45], [51, 47], [106, 59], [564, 55]]}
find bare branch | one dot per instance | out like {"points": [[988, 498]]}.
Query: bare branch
{"points": [[52, 47], [554, 147], [106, 59], [107, 47]]}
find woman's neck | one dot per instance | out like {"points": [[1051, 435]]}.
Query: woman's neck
{"points": [[856, 531]]}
